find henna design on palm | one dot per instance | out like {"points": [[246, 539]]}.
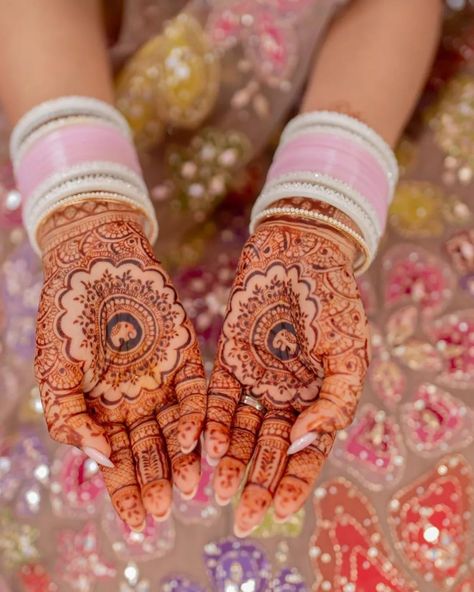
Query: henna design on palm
{"points": [[295, 337], [117, 359]]}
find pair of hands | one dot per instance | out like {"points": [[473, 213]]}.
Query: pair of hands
{"points": [[121, 374]]}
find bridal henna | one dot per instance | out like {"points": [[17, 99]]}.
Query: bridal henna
{"points": [[117, 359], [295, 338]]}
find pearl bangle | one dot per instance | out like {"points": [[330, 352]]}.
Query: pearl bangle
{"points": [[69, 148], [361, 264], [334, 158]]}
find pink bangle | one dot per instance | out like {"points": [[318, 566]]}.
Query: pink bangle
{"points": [[72, 145], [339, 157]]}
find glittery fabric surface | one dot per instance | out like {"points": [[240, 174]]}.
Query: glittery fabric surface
{"points": [[392, 511]]}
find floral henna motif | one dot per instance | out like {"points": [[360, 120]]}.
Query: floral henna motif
{"points": [[129, 322], [295, 338], [268, 332], [114, 351]]}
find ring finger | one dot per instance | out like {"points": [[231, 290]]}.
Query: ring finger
{"points": [[151, 465], [186, 468]]}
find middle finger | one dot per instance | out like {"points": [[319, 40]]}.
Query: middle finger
{"points": [[268, 466]]}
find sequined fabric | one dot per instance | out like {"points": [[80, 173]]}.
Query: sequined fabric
{"points": [[392, 511]]}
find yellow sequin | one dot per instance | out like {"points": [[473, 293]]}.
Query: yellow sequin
{"points": [[171, 80], [416, 209]]}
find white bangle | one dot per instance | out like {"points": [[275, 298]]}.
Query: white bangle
{"points": [[64, 107], [368, 169], [100, 178], [361, 264], [109, 181], [325, 189]]}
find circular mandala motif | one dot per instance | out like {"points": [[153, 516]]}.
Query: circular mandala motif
{"points": [[278, 335], [129, 329], [126, 326], [270, 335]]}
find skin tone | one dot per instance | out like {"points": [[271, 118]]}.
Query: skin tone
{"points": [[379, 84], [117, 360]]}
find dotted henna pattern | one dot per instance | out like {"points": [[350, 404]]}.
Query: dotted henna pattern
{"points": [[295, 338], [117, 359]]}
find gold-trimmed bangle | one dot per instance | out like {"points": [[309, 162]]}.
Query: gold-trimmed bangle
{"points": [[361, 264]]}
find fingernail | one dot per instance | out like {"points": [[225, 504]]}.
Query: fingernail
{"points": [[189, 496], [213, 462], [188, 449], [99, 458], [301, 443], [139, 528], [221, 501], [243, 533], [280, 519], [164, 517]]}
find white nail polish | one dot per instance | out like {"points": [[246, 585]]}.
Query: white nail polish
{"points": [[302, 442], [220, 501], [213, 462], [163, 518], [190, 448], [189, 496], [98, 457], [241, 534]]}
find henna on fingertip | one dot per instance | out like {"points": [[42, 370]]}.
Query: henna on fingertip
{"points": [[113, 341]]}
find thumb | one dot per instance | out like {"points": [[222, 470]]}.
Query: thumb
{"points": [[333, 410], [70, 423]]}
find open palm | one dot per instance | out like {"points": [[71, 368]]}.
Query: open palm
{"points": [[117, 359], [295, 340]]}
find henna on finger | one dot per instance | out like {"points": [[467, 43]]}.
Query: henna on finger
{"points": [[151, 466], [268, 465], [231, 468], [113, 336], [302, 470], [190, 386], [295, 336], [121, 481], [185, 468], [223, 396]]}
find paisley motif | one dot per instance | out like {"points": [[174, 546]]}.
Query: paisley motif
{"points": [[430, 521], [348, 550], [453, 337], [371, 449], [435, 421], [413, 275]]}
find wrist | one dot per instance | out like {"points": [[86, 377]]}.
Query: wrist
{"points": [[348, 245], [73, 221]]}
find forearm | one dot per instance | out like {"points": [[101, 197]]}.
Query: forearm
{"points": [[51, 49], [374, 62]]}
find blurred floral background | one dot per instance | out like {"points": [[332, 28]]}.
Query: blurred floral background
{"points": [[392, 511]]}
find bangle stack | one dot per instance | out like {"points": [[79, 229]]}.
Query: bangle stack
{"points": [[333, 158], [64, 150], [361, 263]]}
